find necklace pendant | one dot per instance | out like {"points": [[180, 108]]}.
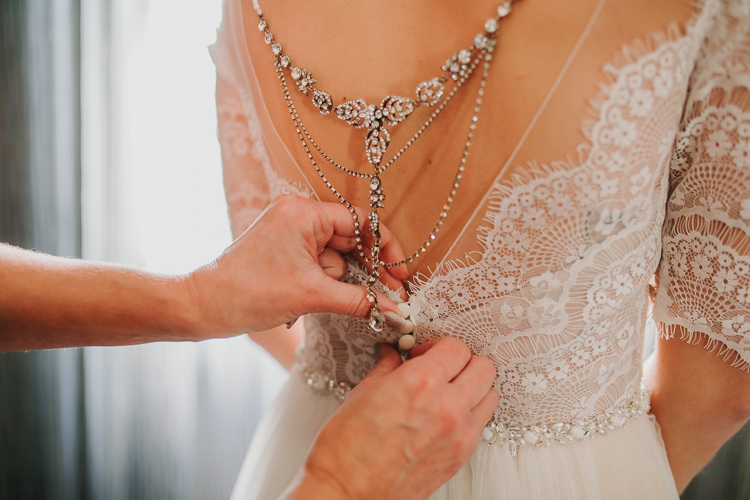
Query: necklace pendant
{"points": [[377, 320], [375, 225], [355, 113], [322, 100], [377, 196], [430, 92], [395, 109], [376, 143], [392, 110]]}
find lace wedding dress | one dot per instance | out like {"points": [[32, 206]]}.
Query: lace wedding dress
{"points": [[556, 291]]}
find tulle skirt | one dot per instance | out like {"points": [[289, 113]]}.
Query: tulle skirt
{"points": [[629, 463]]}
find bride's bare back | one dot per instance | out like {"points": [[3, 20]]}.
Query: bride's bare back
{"points": [[356, 51]]}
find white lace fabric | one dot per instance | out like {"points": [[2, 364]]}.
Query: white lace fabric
{"points": [[558, 295], [705, 271]]}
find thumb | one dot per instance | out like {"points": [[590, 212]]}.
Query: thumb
{"points": [[388, 361], [350, 300]]}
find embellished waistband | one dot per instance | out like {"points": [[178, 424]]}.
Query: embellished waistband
{"points": [[514, 436], [325, 385], [580, 429]]}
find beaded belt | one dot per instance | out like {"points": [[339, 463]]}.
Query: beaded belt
{"points": [[515, 436], [580, 429]]}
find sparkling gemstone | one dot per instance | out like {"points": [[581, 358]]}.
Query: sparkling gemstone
{"points": [[617, 421], [513, 447], [491, 25], [487, 434], [504, 9], [530, 437], [276, 48], [374, 183], [268, 38], [577, 432], [262, 25], [296, 73], [377, 320], [322, 100], [464, 56], [455, 67], [480, 41], [285, 61]]}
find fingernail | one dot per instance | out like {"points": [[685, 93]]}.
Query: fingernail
{"points": [[394, 320]]}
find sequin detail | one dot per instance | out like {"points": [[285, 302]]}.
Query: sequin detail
{"points": [[581, 429], [324, 385]]}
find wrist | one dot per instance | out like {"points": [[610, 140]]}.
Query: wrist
{"points": [[314, 485], [189, 306]]}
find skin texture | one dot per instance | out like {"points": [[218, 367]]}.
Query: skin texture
{"points": [[264, 278], [424, 418]]}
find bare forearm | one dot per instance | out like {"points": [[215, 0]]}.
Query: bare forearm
{"points": [[700, 402], [49, 302], [264, 279]]}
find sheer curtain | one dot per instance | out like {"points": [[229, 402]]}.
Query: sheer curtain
{"points": [[41, 432], [164, 420]]}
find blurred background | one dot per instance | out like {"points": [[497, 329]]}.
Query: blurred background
{"points": [[108, 151]]}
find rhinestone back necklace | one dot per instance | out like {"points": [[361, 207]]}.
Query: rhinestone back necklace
{"points": [[392, 110]]}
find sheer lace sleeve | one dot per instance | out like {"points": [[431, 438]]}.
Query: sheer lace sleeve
{"points": [[245, 181], [704, 275]]}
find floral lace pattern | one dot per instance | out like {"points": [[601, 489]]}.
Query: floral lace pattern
{"points": [[706, 268], [558, 297]]}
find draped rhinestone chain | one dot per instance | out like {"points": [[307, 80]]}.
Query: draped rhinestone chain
{"points": [[392, 110], [484, 56], [412, 140]]}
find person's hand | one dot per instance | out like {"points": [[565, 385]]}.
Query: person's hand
{"points": [[285, 265], [406, 428]]}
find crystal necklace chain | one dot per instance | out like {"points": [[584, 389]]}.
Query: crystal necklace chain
{"points": [[392, 111], [402, 150]]}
